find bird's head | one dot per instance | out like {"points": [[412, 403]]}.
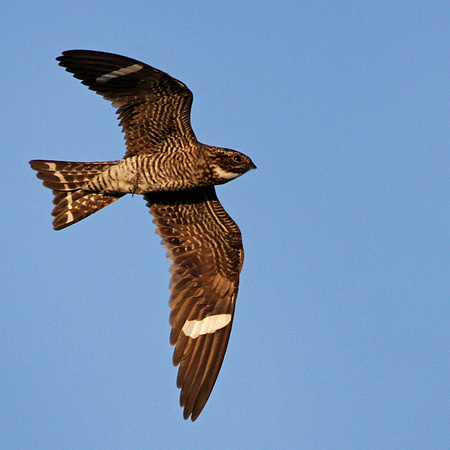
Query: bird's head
{"points": [[226, 164]]}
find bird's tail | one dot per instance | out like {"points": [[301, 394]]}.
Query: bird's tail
{"points": [[67, 179]]}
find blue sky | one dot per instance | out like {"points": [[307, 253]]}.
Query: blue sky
{"points": [[340, 338]]}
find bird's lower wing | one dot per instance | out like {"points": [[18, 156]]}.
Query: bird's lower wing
{"points": [[205, 248]]}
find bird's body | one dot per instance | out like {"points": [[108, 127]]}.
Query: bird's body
{"points": [[176, 174]]}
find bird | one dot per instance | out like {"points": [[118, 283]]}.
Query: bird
{"points": [[176, 175]]}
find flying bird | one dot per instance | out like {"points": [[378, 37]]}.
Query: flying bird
{"points": [[176, 174]]}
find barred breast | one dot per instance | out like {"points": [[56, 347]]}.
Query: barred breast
{"points": [[157, 172]]}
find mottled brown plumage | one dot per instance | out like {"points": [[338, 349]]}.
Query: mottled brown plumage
{"points": [[205, 248], [176, 174]]}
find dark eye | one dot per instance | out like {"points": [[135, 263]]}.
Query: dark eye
{"points": [[237, 158]]}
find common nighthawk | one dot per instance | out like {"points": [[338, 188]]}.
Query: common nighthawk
{"points": [[176, 174]]}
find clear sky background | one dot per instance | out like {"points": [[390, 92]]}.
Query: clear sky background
{"points": [[341, 337]]}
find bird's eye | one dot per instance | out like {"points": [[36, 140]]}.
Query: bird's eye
{"points": [[237, 158]]}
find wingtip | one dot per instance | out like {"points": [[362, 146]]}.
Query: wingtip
{"points": [[67, 53], [190, 415], [62, 55]]}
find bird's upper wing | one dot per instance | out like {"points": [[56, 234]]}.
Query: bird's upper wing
{"points": [[205, 248], [153, 107]]}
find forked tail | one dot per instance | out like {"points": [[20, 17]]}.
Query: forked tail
{"points": [[67, 179]]}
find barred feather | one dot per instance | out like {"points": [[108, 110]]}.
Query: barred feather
{"points": [[176, 173], [66, 179]]}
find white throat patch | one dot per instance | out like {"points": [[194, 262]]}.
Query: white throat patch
{"points": [[224, 175]]}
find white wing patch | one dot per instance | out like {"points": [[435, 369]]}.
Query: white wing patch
{"points": [[119, 73], [210, 324]]}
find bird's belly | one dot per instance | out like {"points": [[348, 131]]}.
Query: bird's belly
{"points": [[131, 176]]}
